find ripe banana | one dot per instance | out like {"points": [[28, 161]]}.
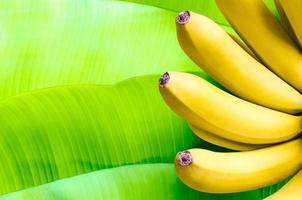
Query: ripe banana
{"points": [[243, 46], [291, 191], [211, 109], [229, 144], [293, 11], [210, 47], [285, 22], [214, 172], [258, 27]]}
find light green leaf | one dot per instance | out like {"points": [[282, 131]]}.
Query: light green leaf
{"points": [[49, 43], [204, 7]]}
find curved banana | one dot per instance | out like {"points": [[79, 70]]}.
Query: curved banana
{"points": [[291, 191], [214, 172], [285, 22], [211, 109], [258, 27], [243, 45], [293, 11], [229, 144], [210, 47]]}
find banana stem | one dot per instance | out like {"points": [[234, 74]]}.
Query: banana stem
{"points": [[183, 17], [164, 79], [184, 158]]}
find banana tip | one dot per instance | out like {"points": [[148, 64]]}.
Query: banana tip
{"points": [[183, 17], [184, 158], [164, 79]]}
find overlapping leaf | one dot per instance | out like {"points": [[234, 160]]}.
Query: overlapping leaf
{"points": [[49, 43]]}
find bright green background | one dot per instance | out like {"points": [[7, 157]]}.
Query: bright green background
{"points": [[69, 129]]}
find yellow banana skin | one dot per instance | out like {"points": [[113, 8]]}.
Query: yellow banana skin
{"points": [[211, 48], [259, 29], [291, 191], [229, 144], [285, 22], [243, 45], [216, 172], [293, 11], [211, 109]]}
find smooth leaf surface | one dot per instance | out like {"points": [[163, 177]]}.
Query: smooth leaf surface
{"points": [[49, 43], [204, 7], [135, 182]]}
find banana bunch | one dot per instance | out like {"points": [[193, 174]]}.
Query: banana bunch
{"points": [[260, 115]]}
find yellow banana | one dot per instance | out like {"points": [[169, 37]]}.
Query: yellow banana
{"points": [[291, 191], [293, 11], [243, 45], [210, 47], [258, 27], [211, 109], [284, 22], [214, 139], [214, 172]]}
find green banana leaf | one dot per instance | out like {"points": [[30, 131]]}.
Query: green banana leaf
{"points": [[204, 7], [144, 181], [65, 131], [57, 121], [48, 43]]}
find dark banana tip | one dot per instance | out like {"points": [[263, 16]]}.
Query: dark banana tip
{"points": [[184, 158], [164, 79], [183, 17]]}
